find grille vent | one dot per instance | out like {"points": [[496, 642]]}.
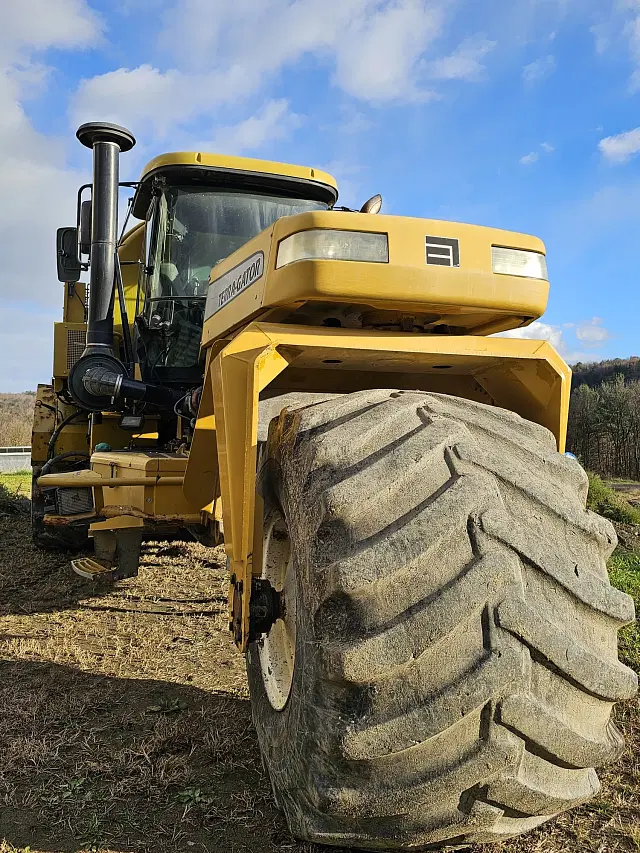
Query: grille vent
{"points": [[76, 342], [74, 501]]}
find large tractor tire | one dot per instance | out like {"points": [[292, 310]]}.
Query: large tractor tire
{"points": [[446, 663]]}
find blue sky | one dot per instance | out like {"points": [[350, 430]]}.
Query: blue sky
{"points": [[521, 114]]}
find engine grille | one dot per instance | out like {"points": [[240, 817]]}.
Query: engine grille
{"points": [[74, 501], [76, 342]]}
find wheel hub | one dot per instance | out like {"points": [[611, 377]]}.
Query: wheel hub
{"points": [[276, 608]]}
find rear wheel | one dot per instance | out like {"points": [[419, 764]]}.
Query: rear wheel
{"points": [[447, 669]]}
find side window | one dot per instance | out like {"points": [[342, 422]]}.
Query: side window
{"points": [[149, 228], [157, 247], [149, 235]]}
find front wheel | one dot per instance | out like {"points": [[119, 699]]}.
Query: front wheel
{"points": [[446, 664]]}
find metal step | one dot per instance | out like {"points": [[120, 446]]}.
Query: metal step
{"points": [[98, 570]]}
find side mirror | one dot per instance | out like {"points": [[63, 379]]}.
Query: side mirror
{"points": [[69, 268], [373, 205], [84, 234]]}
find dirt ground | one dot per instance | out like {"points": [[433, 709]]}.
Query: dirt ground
{"points": [[125, 723]]}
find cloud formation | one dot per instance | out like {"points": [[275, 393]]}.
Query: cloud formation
{"points": [[590, 334], [622, 147], [35, 181], [273, 121], [593, 332], [539, 70], [465, 63], [534, 156], [219, 54]]}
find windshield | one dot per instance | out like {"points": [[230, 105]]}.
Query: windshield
{"points": [[198, 228]]}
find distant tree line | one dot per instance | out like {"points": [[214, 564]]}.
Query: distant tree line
{"points": [[604, 422], [595, 373]]}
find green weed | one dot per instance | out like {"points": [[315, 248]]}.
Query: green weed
{"points": [[624, 571], [607, 503]]}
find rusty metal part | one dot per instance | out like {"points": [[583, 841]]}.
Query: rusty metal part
{"points": [[67, 520], [112, 511]]}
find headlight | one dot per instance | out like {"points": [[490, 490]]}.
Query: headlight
{"points": [[330, 244], [519, 262]]}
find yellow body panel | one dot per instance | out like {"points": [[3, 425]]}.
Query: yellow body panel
{"points": [[471, 295], [229, 163], [159, 503]]}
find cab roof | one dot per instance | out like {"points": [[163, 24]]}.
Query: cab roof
{"points": [[246, 173]]}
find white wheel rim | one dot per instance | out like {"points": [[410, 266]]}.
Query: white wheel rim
{"points": [[277, 650]]}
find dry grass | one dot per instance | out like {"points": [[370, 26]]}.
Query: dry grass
{"points": [[16, 417], [628, 489], [125, 724]]}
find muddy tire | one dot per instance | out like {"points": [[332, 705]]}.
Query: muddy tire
{"points": [[455, 653]]}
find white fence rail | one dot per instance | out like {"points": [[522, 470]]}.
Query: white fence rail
{"points": [[14, 459]]}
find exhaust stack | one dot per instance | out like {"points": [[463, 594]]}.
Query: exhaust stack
{"points": [[107, 141]]}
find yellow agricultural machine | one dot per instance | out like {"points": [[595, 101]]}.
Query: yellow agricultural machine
{"points": [[420, 593]]}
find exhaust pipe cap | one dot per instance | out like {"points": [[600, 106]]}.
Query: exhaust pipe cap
{"points": [[103, 131]]}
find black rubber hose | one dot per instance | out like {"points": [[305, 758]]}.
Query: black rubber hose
{"points": [[58, 430], [48, 465]]}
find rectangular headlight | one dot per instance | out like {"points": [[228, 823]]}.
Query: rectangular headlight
{"points": [[519, 262], [330, 244]]}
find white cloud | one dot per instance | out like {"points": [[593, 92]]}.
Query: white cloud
{"points": [[592, 333], [141, 96], [537, 331], [534, 156], [378, 59], [620, 148], [602, 36], [35, 182], [621, 31], [34, 178], [274, 121], [225, 54], [464, 63], [539, 70], [379, 51], [29, 25], [530, 158], [375, 47]]}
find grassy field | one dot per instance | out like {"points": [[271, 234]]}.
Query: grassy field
{"points": [[125, 722], [18, 483]]}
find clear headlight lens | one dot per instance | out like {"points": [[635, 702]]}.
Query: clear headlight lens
{"points": [[519, 262], [331, 244]]}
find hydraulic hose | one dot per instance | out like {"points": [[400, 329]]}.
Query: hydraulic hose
{"points": [[79, 454], [54, 435]]}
